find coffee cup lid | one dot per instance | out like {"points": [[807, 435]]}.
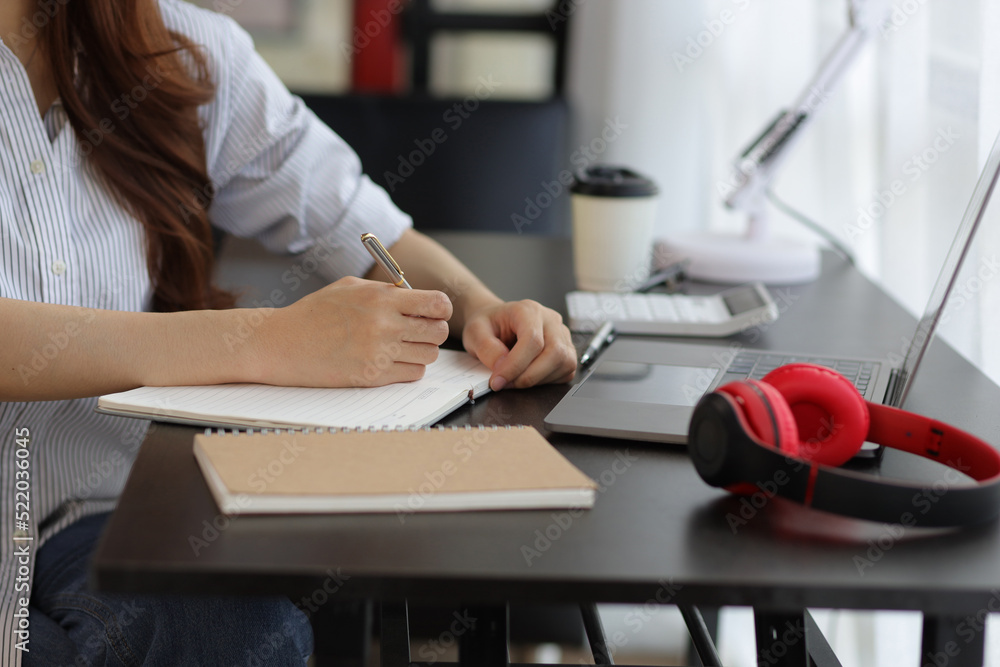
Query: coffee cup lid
{"points": [[612, 181]]}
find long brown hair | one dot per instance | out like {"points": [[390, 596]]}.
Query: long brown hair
{"points": [[131, 89]]}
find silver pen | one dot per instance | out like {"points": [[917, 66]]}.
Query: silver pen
{"points": [[385, 260], [600, 339]]}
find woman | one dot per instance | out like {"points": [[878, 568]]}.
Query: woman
{"points": [[128, 127]]}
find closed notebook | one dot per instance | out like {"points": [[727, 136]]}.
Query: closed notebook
{"points": [[401, 471]]}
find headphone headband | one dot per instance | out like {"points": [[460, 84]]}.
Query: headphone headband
{"points": [[934, 440]]}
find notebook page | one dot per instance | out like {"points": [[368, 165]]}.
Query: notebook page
{"points": [[445, 386]]}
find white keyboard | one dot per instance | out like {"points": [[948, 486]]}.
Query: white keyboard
{"points": [[721, 314]]}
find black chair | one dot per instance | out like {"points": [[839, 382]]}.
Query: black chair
{"points": [[461, 163]]}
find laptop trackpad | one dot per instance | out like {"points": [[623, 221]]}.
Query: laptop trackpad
{"points": [[662, 384], [641, 389]]}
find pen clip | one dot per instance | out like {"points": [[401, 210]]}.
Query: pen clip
{"points": [[603, 337], [607, 340], [372, 240]]}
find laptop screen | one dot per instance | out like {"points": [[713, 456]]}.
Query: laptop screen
{"points": [[949, 273]]}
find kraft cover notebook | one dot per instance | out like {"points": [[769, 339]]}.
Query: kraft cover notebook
{"points": [[401, 471], [448, 383]]}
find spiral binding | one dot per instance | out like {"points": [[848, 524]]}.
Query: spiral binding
{"points": [[358, 429]]}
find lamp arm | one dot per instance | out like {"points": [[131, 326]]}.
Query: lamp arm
{"points": [[757, 165]]}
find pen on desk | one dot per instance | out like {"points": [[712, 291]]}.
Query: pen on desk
{"points": [[670, 275], [600, 339], [385, 260]]}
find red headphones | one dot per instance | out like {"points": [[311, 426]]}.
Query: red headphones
{"points": [[786, 434]]}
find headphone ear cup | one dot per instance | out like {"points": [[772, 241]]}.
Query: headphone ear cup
{"points": [[831, 415], [766, 413]]}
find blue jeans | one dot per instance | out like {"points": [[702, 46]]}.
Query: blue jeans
{"points": [[73, 626]]}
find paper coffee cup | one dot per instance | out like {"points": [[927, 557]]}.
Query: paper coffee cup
{"points": [[614, 209]]}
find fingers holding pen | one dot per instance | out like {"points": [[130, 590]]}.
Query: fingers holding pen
{"points": [[354, 332], [420, 335], [429, 312]]}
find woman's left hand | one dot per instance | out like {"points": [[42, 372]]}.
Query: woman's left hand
{"points": [[522, 342]]}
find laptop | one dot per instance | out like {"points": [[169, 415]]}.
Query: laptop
{"points": [[646, 389]]}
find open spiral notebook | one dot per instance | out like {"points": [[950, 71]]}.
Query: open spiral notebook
{"points": [[450, 382]]}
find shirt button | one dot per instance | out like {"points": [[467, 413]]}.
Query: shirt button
{"points": [[58, 267], [38, 167]]}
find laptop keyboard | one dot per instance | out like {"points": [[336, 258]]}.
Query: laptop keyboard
{"points": [[755, 365]]}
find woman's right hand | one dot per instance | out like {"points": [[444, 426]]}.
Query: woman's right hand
{"points": [[352, 333]]}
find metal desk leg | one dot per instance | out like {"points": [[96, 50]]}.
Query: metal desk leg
{"points": [[781, 639], [595, 634], [702, 639], [820, 652], [791, 640], [395, 644], [955, 641], [484, 642]]}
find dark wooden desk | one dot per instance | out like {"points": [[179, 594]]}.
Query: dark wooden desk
{"points": [[657, 532]]}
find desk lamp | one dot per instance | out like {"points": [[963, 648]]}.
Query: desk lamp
{"points": [[756, 255]]}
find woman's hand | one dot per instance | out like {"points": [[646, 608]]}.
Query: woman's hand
{"points": [[523, 342], [352, 333]]}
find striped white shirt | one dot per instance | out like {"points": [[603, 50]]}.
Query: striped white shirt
{"points": [[281, 177]]}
